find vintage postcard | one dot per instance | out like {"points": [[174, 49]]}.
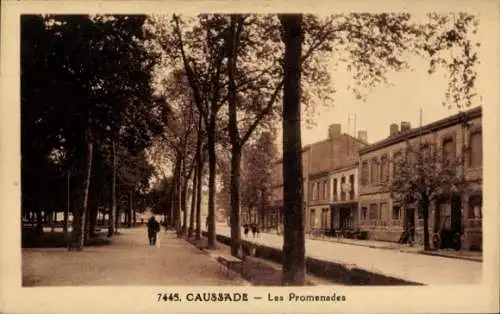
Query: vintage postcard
{"points": [[249, 157]]}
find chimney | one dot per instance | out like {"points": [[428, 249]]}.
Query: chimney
{"points": [[334, 130], [405, 126], [363, 136], [394, 129]]}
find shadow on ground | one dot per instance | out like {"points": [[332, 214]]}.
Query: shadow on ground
{"points": [[34, 239]]}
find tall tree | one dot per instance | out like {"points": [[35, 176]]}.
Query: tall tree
{"points": [[422, 173], [88, 88], [203, 66], [294, 243], [257, 169]]}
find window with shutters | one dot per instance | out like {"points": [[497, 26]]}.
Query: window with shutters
{"points": [[384, 213], [396, 163], [335, 190], [373, 214], [396, 213], [342, 189], [312, 219], [384, 169], [351, 187], [374, 172], [364, 213], [448, 151], [476, 149], [325, 190], [364, 173], [475, 207], [324, 218]]}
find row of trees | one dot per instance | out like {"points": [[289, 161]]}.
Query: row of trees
{"points": [[242, 72], [88, 114], [181, 89]]}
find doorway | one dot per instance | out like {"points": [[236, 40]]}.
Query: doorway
{"points": [[456, 214], [345, 218], [409, 221]]}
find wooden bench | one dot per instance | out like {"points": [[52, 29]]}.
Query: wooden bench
{"points": [[230, 262]]}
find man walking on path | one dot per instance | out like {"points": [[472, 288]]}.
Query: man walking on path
{"points": [[153, 229]]}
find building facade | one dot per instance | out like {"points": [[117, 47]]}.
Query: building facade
{"points": [[322, 163], [332, 167], [274, 214], [344, 206], [458, 136]]}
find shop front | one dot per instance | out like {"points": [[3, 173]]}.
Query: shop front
{"points": [[344, 217]]}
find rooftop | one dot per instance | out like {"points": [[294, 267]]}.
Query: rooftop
{"points": [[425, 129]]}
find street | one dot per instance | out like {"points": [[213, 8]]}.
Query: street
{"points": [[433, 270], [128, 260]]}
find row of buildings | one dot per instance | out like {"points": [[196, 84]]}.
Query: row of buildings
{"points": [[344, 178]]}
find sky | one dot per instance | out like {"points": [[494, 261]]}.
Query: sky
{"points": [[408, 92]]}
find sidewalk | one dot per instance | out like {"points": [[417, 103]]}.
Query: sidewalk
{"points": [[419, 268], [128, 260], [416, 249]]}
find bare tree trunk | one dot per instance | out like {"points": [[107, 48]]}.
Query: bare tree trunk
{"points": [[212, 160], [182, 181], [184, 205], [193, 203], [79, 229], [112, 212], [172, 195], [176, 195], [86, 234], [294, 242], [66, 221], [118, 216], [234, 217], [200, 166], [178, 201], [262, 218], [196, 180], [134, 210], [103, 220], [425, 214], [236, 143], [93, 211], [129, 222], [39, 222], [66, 212]]}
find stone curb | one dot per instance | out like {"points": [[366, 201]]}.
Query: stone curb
{"points": [[337, 271], [213, 258]]}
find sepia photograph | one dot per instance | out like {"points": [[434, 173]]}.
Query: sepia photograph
{"points": [[284, 159]]}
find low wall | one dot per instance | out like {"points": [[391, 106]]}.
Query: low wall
{"points": [[339, 272]]}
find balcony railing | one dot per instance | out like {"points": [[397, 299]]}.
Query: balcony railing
{"points": [[395, 223]]}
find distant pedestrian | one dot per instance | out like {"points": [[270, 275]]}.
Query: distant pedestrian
{"points": [[245, 230], [153, 229], [254, 229]]}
